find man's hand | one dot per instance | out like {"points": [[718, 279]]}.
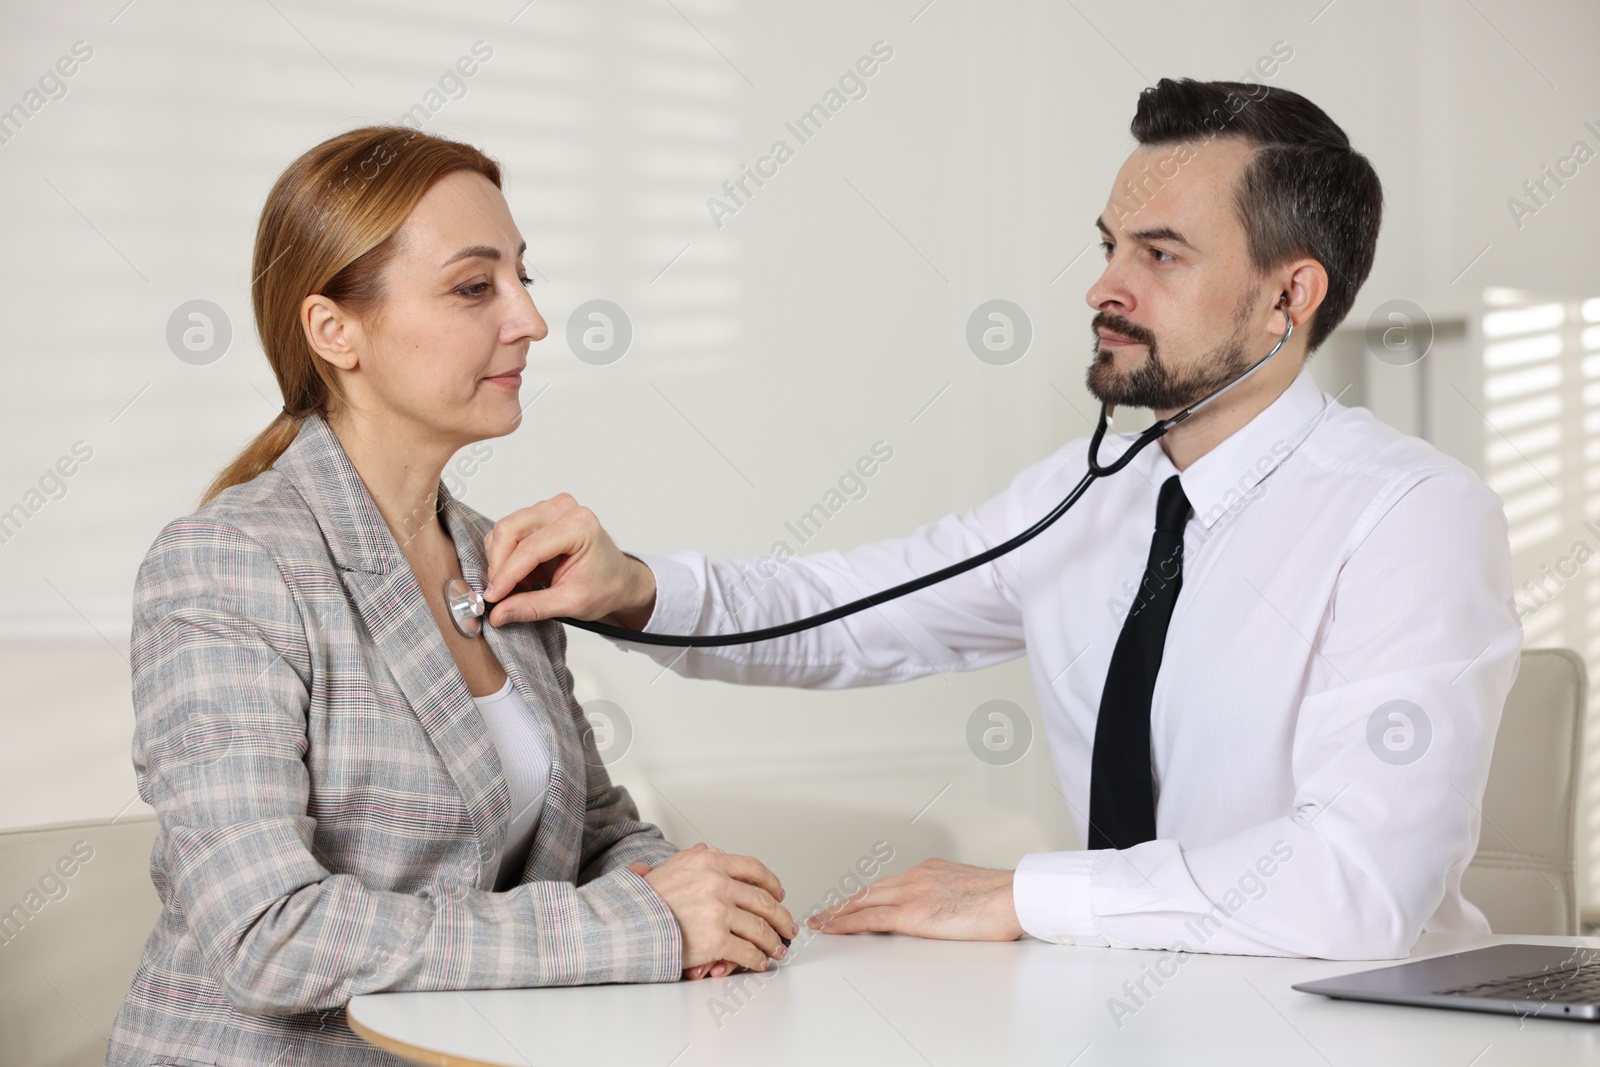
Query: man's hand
{"points": [[937, 899], [554, 560]]}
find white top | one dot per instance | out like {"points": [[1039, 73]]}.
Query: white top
{"points": [[1332, 567], [526, 764]]}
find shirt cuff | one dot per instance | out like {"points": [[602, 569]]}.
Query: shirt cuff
{"points": [[1051, 894], [677, 608]]}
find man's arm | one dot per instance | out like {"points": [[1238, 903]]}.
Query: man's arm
{"points": [[970, 621], [1391, 756], [973, 620]]}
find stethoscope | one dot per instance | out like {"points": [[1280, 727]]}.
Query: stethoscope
{"points": [[467, 606]]}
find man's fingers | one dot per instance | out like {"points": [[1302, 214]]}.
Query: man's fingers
{"points": [[520, 560], [871, 896], [881, 918], [510, 531], [537, 604]]}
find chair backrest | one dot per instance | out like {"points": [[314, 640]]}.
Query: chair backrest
{"points": [[1524, 875], [76, 905]]}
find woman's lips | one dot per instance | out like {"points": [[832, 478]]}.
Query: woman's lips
{"points": [[510, 381]]}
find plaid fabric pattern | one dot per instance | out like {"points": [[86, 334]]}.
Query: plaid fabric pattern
{"points": [[331, 804]]}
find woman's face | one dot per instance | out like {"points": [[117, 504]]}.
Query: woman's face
{"points": [[446, 350]]}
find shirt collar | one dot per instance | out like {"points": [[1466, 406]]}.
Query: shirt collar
{"points": [[1217, 481]]}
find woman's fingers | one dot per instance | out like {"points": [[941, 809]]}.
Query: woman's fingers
{"points": [[709, 970], [751, 870], [736, 948], [726, 921], [754, 926], [774, 916], [756, 888]]}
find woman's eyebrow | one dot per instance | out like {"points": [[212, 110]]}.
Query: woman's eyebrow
{"points": [[485, 251]]}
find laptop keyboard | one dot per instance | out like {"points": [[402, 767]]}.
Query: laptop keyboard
{"points": [[1574, 984]]}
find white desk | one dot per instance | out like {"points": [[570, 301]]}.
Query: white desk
{"points": [[888, 1000]]}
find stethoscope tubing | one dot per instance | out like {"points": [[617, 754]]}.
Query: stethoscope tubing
{"points": [[1096, 470]]}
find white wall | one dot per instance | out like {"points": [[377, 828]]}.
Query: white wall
{"points": [[823, 316]]}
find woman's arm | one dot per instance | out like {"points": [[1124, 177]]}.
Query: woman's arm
{"points": [[221, 668]]}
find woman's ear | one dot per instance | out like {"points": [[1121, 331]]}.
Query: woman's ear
{"points": [[332, 333]]}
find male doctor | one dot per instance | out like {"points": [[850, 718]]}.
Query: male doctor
{"points": [[1271, 655]]}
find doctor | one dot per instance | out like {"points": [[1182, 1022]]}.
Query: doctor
{"points": [[1270, 656]]}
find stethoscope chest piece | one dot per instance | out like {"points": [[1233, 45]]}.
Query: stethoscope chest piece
{"points": [[466, 606]]}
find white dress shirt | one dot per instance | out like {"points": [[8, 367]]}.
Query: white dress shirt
{"points": [[1332, 565], [526, 765]]}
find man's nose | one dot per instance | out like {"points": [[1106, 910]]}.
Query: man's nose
{"points": [[1109, 293]]}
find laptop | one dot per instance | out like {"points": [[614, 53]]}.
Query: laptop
{"points": [[1549, 981]]}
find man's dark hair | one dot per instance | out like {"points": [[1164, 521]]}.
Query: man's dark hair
{"points": [[1305, 192]]}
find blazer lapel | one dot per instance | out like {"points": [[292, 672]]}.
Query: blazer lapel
{"points": [[557, 839], [387, 598]]}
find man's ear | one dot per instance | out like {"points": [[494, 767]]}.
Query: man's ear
{"points": [[1307, 286], [333, 333]]}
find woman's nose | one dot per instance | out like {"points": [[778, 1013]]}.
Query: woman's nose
{"points": [[526, 323]]}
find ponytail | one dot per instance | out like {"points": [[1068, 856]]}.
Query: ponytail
{"points": [[259, 455]]}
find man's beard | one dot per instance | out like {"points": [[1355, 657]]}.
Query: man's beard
{"points": [[1153, 384]]}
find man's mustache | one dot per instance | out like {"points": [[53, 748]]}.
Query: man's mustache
{"points": [[1111, 322]]}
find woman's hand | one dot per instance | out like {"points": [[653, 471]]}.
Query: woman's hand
{"points": [[555, 560], [715, 970], [727, 908]]}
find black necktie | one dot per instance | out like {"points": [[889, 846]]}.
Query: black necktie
{"points": [[1122, 803]]}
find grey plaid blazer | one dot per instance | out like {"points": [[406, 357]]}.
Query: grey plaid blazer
{"points": [[331, 805]]}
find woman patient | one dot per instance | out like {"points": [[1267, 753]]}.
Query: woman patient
{"points": [[353, 796]]}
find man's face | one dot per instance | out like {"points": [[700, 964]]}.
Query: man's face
{"points": [[1179, 309]]}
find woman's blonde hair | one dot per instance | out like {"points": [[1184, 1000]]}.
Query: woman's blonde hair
{"points": [[328, 228]]}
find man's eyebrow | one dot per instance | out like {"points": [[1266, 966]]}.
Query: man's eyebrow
{"points": [[485, 251], [1159, 233]]}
